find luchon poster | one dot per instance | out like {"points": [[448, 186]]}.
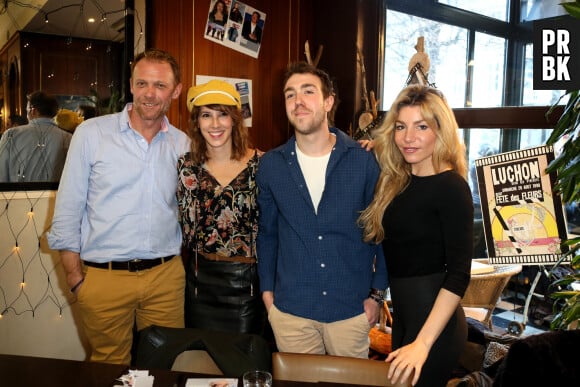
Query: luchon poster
{"points": [[523, 220]]}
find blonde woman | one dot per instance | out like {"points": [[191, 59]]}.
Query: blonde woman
{"points": [[422, 213]]}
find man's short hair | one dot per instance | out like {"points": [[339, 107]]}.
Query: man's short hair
{"points": [[45, 104], [157, 55]]}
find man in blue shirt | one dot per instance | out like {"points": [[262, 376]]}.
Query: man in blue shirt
{"points": [[321, 283], [115, 220], [35, 151]]}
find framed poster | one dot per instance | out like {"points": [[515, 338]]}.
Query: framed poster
{"points": [[523, 219]]}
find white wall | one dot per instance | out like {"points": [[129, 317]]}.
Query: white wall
{"points": [[37, 318]]}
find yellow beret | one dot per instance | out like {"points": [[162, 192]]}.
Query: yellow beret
{"points": [[215, 92], [67, 119]]}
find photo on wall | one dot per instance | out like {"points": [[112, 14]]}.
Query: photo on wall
{"points": [[236, 25]]}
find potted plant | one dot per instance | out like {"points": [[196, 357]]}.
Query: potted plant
{"points": [[567, 165]]}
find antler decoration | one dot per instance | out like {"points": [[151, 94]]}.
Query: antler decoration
{"points": [[309, 57], [370, 113], [419, 65]]}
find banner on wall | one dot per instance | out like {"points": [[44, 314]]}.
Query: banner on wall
{"points": [[523, 219], [243, 86], [235, 25]]}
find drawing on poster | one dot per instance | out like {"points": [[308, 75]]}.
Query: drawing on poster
{"points": [[523, 219], [243, 86], [235, 25]]}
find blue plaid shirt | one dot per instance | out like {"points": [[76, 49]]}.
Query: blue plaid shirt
{"points": [[317, 264]]}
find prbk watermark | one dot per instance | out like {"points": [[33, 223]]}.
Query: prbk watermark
{"points": [[557, 54]]}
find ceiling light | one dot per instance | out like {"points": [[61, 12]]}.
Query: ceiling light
{"points": [[91, 20]]}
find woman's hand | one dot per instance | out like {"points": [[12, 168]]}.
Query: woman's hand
{"points": [[407, 361], [367, 144]]}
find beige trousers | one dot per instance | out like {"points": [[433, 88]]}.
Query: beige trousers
{"points": [[112, 302], [348, 337]]}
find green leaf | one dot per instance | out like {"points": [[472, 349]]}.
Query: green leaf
{"points": [[572, 8]]}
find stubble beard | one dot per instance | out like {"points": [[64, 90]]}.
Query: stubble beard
{"points": [[151, 115], [307, 126]]}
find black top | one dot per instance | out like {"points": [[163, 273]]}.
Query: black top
{"points": [[429, 229]]}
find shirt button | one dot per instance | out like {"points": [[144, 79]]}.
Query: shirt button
{"points": [[320, 237], [322, 265], [324, 293]]}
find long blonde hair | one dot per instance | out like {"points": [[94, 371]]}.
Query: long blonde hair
{"points": [[395, 173]]}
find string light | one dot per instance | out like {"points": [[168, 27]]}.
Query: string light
{"points": [[18, 213], [104, 16]]}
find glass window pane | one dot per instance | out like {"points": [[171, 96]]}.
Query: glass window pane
{"points": [[532, 97], [497, 9], [540, 9], [482, 143], [488, 71], [447, 49], [533, 137]]}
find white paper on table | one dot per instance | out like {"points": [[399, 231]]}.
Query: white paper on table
{"points": [[211, 382]]}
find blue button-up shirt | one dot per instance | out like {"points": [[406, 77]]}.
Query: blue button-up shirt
{"points": [[317, 264], [117, 195]]}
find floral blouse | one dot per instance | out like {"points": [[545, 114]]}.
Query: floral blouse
{"points": [[214, 218]]}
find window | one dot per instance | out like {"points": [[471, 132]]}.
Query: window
{"points": [[446, 46], [540, 9], [480, 59], [497, 9]]}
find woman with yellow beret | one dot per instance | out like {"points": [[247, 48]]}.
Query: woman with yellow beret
{"points": [[218, 213]]}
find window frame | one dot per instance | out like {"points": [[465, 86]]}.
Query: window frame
{"points": [[517, 34]]}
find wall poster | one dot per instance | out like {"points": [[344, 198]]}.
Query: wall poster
{"points": [[523, 220], [236, 25]]}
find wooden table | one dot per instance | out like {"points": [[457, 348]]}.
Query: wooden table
{"points": [[16, 371]]}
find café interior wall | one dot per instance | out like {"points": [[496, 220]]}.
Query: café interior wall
{"points": [[39, 318], [37, 310]]}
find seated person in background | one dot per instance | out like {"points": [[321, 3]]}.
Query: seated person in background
{"points": [[16, 120], [13, 120], [87, 111], [68, 120], [36, 151]]}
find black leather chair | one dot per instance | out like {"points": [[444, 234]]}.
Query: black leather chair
{"points": [[234, 354]]}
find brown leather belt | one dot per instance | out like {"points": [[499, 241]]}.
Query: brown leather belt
{"points": [[235, 258], [132, 265]]}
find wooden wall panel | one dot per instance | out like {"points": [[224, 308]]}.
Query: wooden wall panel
{"points": [[58, 66], [74, 69], [179, 26]]}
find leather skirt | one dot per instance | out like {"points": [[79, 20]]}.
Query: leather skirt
{"points": [[223, 295]]}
